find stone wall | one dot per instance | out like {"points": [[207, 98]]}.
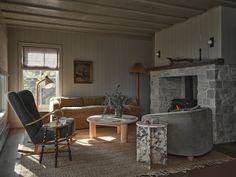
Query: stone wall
{"points": [[225, 98], [216, 87]]}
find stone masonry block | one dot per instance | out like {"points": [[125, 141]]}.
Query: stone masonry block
{"points": [[224, 109], [229, 84], [211, 93], [224, 74], [203, 84], [218, 102], [200, 102], [232, 101], [210, 74], [233, 72], [215, 84], [206, 102], [202, 77], [223, 93], [212, 103], [201, 95], [219, 121]]}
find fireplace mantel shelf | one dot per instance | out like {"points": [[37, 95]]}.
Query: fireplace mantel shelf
{"points": [[185, 65]]}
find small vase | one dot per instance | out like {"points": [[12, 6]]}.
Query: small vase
{"points": [[118, 113]]}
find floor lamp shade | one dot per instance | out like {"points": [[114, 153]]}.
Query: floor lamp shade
{"points": [[137, 69], [48, 84]]}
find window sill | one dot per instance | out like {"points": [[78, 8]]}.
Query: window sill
{"points": [[43, 108], [2, 114]]}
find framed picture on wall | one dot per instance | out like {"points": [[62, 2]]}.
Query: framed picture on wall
{"points": [[83, 71]]}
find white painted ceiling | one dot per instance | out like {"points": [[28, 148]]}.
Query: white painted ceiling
{"points": [[132, 17]]}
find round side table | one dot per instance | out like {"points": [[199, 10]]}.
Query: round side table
{"points": [[152, 142]]}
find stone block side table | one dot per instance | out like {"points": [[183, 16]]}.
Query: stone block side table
{"points": [[152, 142]]}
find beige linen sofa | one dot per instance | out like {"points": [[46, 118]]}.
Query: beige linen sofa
{"points": [[80, 108]]}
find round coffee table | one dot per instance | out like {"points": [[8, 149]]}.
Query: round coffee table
{"points": [[110, 120]]}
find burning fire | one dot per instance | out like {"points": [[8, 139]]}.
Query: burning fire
{"points": [[178, 107]]}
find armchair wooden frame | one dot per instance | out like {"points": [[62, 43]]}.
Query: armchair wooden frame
{"points": [[36, 146], [24, 106]]}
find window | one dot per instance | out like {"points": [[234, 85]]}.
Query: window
{"points": [[3, 91], [37, 63]]}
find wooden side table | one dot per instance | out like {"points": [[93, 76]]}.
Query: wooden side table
{"points": [[56, 126], [152, 142]]}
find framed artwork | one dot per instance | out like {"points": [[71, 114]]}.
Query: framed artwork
{"points": [[83, 71]]}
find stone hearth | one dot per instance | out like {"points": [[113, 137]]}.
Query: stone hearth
{"points": [[216, 89]]}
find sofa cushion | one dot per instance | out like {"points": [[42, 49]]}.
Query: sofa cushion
{"points": [[82, 108], [133, 102], [71, 102], [93, 100]]}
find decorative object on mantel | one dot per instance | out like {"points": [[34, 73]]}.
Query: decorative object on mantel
{"points": [[178, 60], [137, 69], [117, 101], [218, 61]]}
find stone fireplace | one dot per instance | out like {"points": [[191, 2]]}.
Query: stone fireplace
{"points": [[214, 86], [178, 89]]}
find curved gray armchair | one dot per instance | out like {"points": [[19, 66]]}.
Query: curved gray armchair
{"points": [[189, 133]]}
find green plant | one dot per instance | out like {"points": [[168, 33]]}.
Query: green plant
{"points": [[116, 101]]}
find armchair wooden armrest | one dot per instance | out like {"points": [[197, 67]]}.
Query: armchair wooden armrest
{"points": [[45, 116]]}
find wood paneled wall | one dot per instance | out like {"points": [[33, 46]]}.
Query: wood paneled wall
{"points": [[183, 40], [229, 34], [4, 126], [3, 47], [112, 57]]}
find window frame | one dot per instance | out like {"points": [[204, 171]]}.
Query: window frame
{"points": [[3, 90], [38, 45]]}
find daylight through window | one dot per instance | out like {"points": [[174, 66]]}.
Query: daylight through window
{"points": [[38, 62]]}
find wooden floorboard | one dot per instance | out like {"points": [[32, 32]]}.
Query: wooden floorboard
{"points": [[9, 155]]}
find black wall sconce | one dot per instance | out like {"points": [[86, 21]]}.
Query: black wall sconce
{"points": [[211, 41], [158, 54]]}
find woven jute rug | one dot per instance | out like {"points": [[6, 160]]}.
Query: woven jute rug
{"points": [[105, 156]]}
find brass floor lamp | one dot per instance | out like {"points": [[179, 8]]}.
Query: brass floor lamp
{"points": [[137, 69]]}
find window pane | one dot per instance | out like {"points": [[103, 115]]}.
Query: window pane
{"points": [[32, 77], [34, 59], [2, 93], [51, 60]]}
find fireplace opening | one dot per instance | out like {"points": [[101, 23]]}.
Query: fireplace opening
{"points": [[189, 87]]}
